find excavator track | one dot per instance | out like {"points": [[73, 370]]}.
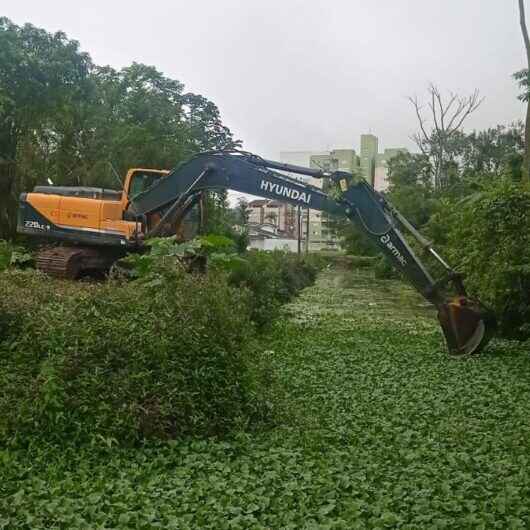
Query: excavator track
{"points": [[72, 262]]}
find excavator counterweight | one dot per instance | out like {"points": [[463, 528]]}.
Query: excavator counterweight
{"points": [[153, 203]]}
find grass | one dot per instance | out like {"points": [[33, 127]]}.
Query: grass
{"points": [[382, 430]]}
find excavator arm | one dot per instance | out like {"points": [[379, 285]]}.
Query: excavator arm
{"points": [[465, 322]]}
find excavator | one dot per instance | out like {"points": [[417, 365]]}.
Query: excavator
{"points": [[95, 227]]}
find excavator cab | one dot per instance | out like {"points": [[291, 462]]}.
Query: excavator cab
{"points": [[141, 180]]}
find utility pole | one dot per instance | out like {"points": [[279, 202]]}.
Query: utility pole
{"points": [[307, 233], [299, 228]]}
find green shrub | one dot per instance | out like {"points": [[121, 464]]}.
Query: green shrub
{"points": [[383, 270], [11, 255], [125, 362], [164, 355], [488, 239], [273, 278], [354, 241]]}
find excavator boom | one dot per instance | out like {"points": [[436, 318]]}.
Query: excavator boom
{"points": [[466, 324], [159, 208]]}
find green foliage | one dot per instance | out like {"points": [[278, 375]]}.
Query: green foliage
{"points": [[385, 431], [523, 78], [164, 251], [213, 243], [5, 254], [362, 262], [66, 119], [165, 355], [488, 238], [408, 169], [14, 256], [124, 362], [354, 241], [43, 86], [223, 220], [241, 212], [464, 219], [410, 190], [493, 151], [383, 270], [273, 278]]}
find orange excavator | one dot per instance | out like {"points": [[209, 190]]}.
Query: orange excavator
{"points": [[94, 227]]}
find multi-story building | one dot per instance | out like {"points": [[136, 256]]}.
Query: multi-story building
{"points": [[283, 218], [321, 235], [314, 222], [380, 182], [369, 148], [275, 215]]}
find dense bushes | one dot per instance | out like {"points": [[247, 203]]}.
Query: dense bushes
{"points": [[125, 362], [12, 255], [165, 355], [488, 238], [273, 279]]}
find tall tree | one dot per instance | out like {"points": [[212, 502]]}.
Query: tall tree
{"points": [[439, 139], [65, 119], [410, 189], [43, 79], [493, 152], [525, 75]]}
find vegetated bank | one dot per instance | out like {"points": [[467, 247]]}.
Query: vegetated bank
{"points": [[163, 355], [483, 232], [386, 431]]}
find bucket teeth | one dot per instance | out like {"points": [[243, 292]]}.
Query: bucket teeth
{"points": [[466, 324]]}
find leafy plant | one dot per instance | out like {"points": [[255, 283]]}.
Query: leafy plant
{"points": [[14, 256], [383, 431], [128, 361], [273, 278], [488, 238]]}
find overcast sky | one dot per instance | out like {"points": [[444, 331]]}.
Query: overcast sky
{"points": [[306, 74]]}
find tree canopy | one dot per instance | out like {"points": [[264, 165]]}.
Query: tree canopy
{"points": [[67, 120]]}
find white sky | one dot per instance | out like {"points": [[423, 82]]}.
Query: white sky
{"points": [[307, 74]]}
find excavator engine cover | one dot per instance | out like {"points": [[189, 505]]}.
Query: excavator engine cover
{"points": [[466, 324]]}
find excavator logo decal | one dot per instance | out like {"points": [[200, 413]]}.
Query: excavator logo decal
{"points": [[284, 191], [393, 249]]}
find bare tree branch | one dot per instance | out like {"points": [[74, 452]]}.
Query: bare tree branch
{"points": [[433, 90], [447, 117], [417, 108], [444, 110], [416, 138], [465, 108]]}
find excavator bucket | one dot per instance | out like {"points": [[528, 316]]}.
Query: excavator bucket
{"points": [[467, 325]]}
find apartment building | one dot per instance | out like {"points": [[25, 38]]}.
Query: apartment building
{"points": [[283, 218], [380, 181]]}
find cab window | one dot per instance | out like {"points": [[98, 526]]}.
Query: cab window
{"points": [[141, 182]]}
